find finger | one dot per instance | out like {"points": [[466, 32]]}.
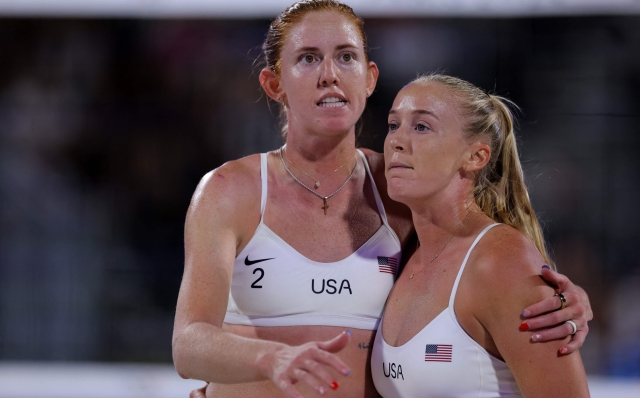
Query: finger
{"points": [[559, 332], [310, 380], [319, 371], [337, 343], [199, 393], [547, 305], [573, 311], [549, 320], [558, 280], [287, 387], [575, 343], [332, 360]]}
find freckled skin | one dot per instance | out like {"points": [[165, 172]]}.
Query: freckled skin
{"points": [[324, 36], [434, 168]]}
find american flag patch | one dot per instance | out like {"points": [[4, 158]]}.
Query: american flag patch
{"points": [[388, 265], [438, 353]]}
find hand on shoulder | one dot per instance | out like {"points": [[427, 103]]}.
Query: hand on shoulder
{"points": [[505, 279]]}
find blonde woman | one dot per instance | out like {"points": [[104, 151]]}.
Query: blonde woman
{"points": [[450, 324]]}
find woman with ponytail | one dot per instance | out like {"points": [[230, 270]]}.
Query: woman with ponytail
{"points": [[451, 320], [290, 254]]}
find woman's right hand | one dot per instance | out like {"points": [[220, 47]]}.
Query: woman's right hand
{"points": [[305, 363], [308, 363]]}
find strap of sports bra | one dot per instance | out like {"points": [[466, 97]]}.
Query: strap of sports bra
{"points": [[264, 178], [464, 263], [383, 214]]}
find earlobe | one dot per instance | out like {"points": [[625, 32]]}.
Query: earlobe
{"points": [[270, 83]]}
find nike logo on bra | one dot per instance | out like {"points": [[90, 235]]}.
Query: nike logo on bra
{"points": [[249, 262]]}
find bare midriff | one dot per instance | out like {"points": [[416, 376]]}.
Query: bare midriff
{"points": [[356, 355]]}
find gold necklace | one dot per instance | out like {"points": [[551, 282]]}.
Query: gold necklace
{"points": [[445, 245], [317, 184], [325, 198]]}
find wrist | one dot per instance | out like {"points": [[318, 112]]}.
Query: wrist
{"points": [[266, 358]]}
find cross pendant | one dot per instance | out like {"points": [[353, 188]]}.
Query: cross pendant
{"points": [[326, 206]]}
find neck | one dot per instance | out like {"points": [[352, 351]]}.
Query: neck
{"points": [[443, 216], [321, 154]]}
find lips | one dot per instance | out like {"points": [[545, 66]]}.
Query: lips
{"points": [[332, 101], [398, 165]]}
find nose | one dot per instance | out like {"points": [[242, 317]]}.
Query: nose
{"points": [[397, 141], [328, 73]]}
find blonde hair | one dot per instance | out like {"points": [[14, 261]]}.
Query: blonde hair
{"points": [[279, 28], [499, 191]]}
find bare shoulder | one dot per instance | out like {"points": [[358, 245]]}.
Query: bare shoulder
{"points": [[506, 262], [228, 195], [398, 214], [229, 180], [505, 249]]}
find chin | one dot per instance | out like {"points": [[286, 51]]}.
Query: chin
{"points": [[398, 190], [337, 126]]}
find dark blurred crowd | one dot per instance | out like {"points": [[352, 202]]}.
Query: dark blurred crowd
{"points": [[106, 126]]}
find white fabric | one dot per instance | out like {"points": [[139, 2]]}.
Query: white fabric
{"points": [[403, 372], [288, 289]]}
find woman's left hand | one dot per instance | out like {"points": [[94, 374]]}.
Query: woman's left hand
{"points": [[548, 316]]}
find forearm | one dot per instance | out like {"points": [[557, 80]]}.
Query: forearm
{"points": [[203, 351]]}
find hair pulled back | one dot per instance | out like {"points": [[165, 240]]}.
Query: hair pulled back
{"points": [[279, 29], [499, 191]]}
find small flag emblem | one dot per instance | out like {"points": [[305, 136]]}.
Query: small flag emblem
{"points": [[438, 353], [388, 265]]}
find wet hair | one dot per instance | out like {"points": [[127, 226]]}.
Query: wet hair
{"points": [[499, 190], [279, 28]]}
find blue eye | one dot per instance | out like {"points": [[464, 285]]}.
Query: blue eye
{"points": [[393, 126], [421, 127]]}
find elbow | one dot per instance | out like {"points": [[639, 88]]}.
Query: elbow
{"points": [[180, 356]]}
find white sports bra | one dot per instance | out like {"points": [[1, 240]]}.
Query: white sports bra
{"points": [[274, 285], [442, 360]]}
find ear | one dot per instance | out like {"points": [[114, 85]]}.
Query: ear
{"points": [[372, 77], [476, 157], [270, 83]]}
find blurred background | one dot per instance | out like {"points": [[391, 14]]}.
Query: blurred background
{"points": [[111, 112]]}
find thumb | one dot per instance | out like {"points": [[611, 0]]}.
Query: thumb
{"points": [[337, 343], [557, 280]]}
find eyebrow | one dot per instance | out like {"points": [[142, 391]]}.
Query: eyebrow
{"points": [[418, 112], [315, 49]]}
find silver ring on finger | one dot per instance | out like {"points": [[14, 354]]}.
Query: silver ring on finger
{"points": [[563, 300], [573, 325]]}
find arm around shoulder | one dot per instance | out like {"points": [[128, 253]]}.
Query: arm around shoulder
{"points": [[508, 274]]}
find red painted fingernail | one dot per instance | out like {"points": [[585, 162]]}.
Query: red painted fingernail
{"points": [[524, 327], [334, 385], [563, 351]]}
